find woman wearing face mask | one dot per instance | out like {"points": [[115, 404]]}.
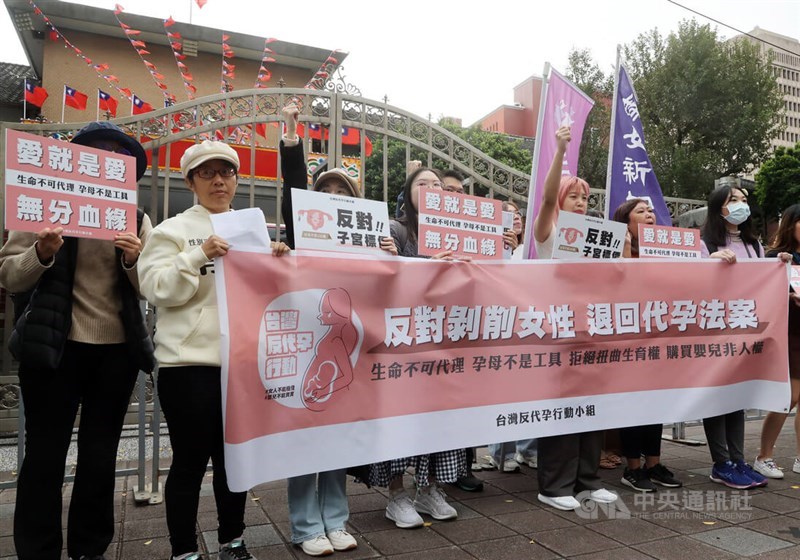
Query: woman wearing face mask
{"points": [[728, 235]]}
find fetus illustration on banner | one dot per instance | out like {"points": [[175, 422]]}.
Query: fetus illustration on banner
{"points": [[315, 218], [309, 343]]}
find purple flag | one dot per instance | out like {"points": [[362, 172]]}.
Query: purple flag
{"points": [[564, 105], [631, 174]]}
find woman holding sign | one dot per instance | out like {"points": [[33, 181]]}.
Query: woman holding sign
{"points": [[728, 235], [318, 508], [434, 468], [80, 339], [568, 464], [176, 272], [641, 440]]}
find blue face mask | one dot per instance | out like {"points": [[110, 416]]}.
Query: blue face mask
{"points": [[738, 212]]}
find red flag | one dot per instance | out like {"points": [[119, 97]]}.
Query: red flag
{"points": [[35, 95], [107, 103], [75, 99], [126, 91], [169, 22], [141, 106], [225, 37], [140, 44], [201, 3], [118, 9]]}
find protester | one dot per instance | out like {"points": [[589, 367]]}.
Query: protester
{"points": [[728, 235], [568, 464], [435, 468], [318, 508], [641, 440], [177, 276], [787, 247], [508, 457], [81, 339], [453, 181]]}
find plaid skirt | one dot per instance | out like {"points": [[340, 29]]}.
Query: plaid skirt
{"points": [[444, 466]]}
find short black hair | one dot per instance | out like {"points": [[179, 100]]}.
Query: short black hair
{"points": [[454, 174]]}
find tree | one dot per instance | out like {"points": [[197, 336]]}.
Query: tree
{"points": [[709, 108], [498, 146], [778, 181], [587, 75]]}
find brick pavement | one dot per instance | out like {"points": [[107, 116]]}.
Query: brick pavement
{"points": [[506, 521]]}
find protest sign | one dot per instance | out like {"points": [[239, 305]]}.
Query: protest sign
{"points": [[327, 222], [51, 183], [470, 226], [666, 241], [579, 236], [365, 360]]}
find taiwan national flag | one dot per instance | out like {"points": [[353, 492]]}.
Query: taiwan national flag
{"points": [[140, 106], [75, 99], [35, 95], [106, 103]]}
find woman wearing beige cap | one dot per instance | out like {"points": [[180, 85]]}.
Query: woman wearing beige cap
{"points": [[176, 274]]}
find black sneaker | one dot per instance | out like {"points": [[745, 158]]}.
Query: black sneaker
{"points": [[637, 479], [662, 476], [469, 484]]}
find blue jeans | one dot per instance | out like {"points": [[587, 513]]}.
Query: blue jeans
{"points": [[525, 447], [317, 504]]}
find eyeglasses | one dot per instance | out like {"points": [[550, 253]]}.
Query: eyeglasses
{"points": [[209, 172], [116, 148]]}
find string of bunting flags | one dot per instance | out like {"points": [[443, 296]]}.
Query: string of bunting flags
{"points": [[55, 35], [227, 68], [264, 75], [141, 49], [175, 42]]}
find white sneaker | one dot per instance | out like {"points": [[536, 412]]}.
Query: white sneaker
{"points": [[532, 461], [560, 502], [603, 496], [342, 540], [400, 509], [767, 468], [432, 501], [187, 556], [796, 466], [318, 546], [509, 465]]}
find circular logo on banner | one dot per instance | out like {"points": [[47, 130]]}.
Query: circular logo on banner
{"points": [[309, 342]]}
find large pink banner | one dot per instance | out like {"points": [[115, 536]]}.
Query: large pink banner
{"points": [[51, 183], [371, 359], [565, 105]]}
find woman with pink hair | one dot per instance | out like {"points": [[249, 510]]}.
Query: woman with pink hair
{"points": [[568, 463]]}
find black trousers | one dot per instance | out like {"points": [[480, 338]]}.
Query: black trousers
{"points": [[100, 378], [191, 398], [568, 464], [641, 440], [725, 435]]}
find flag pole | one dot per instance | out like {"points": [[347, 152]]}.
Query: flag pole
{"points": [[97, 118], [530, 217], [25, 99], [63, 102], [133, 98], [607, 205]]}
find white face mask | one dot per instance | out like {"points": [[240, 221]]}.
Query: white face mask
{"points": [[738, 212]]}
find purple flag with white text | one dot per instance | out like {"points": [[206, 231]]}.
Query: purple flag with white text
{"points": [[631, 174], [564, 105]]}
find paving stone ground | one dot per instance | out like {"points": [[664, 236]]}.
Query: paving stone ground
{"points": [[700, 521]]}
